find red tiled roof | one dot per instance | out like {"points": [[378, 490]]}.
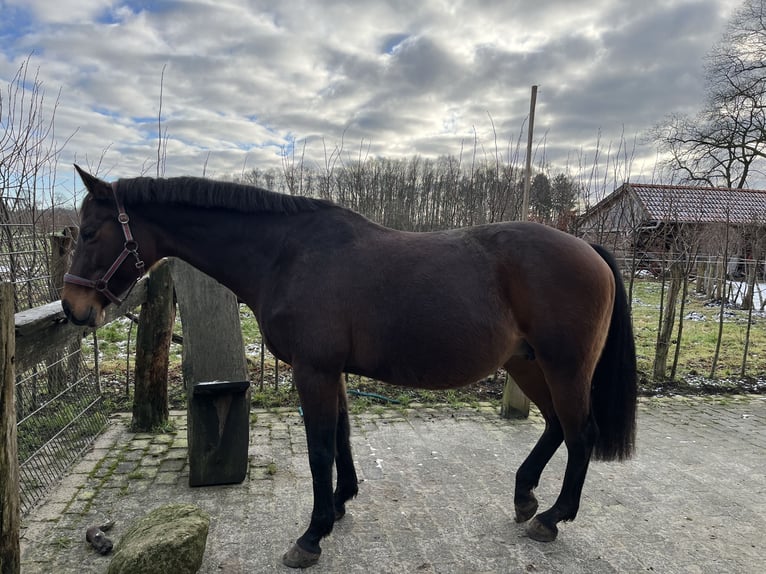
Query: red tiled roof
{"points": [[687, 204]]}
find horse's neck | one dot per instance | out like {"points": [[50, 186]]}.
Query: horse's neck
{"points": [[234, 248]]}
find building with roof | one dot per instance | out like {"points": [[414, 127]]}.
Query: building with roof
{"points": [[649, 222]]}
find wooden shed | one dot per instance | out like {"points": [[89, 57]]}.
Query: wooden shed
{"points": [[650, 223]]}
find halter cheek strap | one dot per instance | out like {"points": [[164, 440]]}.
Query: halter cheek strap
{"points": [[130, 248]]}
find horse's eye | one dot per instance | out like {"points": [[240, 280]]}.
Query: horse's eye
{"points": [[87, 234]]}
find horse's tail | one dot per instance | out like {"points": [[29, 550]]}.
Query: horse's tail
{"points": [[615, 381]]}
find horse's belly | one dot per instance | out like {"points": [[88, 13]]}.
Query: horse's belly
{"points": [[433, 366], [441, 336], [439, 378]]}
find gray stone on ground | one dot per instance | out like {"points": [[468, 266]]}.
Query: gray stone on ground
{"points": [[170, 538]]}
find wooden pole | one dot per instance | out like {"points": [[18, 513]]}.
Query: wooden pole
{"points": [[528, 170], [10, 516], [62, 245], [60, 371], [155, 331], [515, 403]]}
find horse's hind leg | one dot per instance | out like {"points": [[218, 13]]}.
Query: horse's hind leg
{"points": [[528, 475], [318, 392], [348, 485], [530, 379], [580, 433]]}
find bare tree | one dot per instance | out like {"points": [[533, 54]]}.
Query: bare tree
{"points": [[162, 134], [725, 143], [28, 155], [722, 293], [688, 243]]}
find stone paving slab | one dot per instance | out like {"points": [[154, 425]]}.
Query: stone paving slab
{"points": [[437, 496]]}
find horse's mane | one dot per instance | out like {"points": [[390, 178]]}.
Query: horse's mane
{"points": [[201, 192]]}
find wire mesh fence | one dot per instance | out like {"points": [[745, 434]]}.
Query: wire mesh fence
{"points": [[24, 258], [59, 408], [59, 413]]}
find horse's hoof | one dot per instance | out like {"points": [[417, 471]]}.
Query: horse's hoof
{"points": [[297, 557], [525, 511], [540, 532]]}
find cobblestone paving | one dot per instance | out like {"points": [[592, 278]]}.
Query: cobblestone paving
{"points": [[436, 496]]}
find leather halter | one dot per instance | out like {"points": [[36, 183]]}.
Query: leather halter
{"points": [[129, 248]]}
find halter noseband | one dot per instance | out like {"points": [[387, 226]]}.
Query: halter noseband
{"points": [[130, 247]]}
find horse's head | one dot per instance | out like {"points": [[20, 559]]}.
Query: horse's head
{"points": [[106, 261]]}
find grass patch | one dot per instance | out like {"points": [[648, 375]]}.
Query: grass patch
{"points": [[699, 335], [168, 427], [270, 398], [375, 393]]}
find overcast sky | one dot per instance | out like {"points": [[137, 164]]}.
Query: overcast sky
{"points": [[245, 79]]}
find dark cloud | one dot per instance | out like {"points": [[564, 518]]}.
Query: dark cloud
{"points": [[243, 80], [420, 64]]}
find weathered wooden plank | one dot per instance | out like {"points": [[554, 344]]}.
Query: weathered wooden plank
{"points": [[213, 347], [213, 351], [45, 329], [220, 411], [32, 320]]}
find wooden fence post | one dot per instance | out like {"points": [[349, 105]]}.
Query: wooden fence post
{"points": [[515, 403], [62, 245], [61, 372], [213, 350], [10, 517], [155, 330], [701, 276]]}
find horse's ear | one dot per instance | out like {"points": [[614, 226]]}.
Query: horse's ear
{"points": [[94, 185]]}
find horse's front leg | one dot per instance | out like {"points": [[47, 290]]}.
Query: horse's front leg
{"points": [[319, 398], [348, 484]]}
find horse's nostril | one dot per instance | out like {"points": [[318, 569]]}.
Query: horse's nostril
{"points": [[66, 307]]}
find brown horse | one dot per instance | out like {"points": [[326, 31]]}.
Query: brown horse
{"points": [[334, 292]]}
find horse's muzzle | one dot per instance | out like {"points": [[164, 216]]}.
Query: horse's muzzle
{"points": [[90, 320]]}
